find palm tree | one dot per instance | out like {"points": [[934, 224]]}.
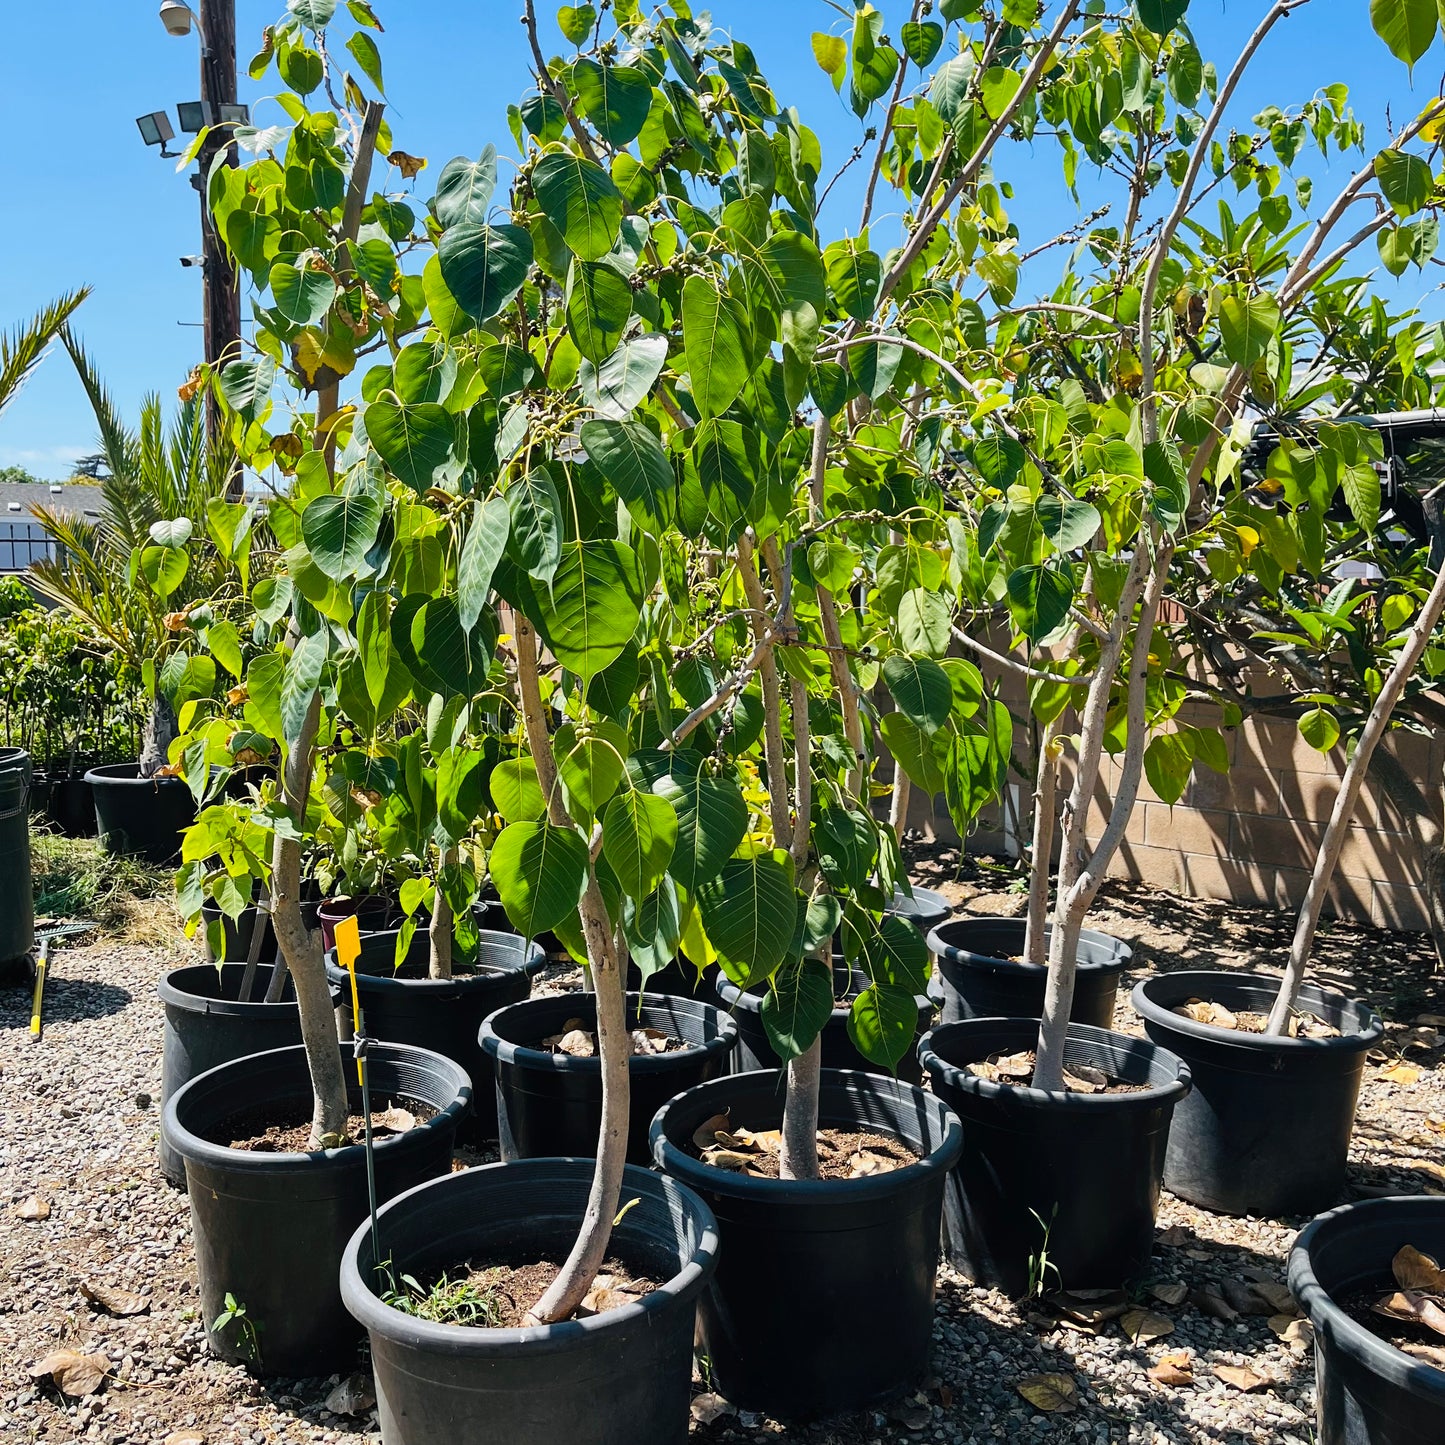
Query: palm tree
{"points": [[157, 474], [22, 350]]}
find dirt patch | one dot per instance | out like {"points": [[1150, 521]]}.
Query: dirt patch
{"points": [[1018, 1069], [842, 1153]]}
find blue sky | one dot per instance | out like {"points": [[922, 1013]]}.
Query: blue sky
{"points": [[89, 203]]}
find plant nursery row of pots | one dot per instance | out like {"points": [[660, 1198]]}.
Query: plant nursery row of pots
{"points": [[293, 1270]]}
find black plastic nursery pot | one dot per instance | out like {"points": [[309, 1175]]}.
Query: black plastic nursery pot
{"points": [[1267, 1127], [373, 913], [1064, 1177], [270, 1229], [622, 1377], [823, 1299], [236, 933], [141, 816], [1367, 1392], [17, 904], [404, 1006], [754, 1051], [66, 802], [207, 1024], [551, 1104], [977, 974], [925, 909]]}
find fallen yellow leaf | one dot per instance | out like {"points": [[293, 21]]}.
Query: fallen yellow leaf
{"points": [[1053, 1394]]}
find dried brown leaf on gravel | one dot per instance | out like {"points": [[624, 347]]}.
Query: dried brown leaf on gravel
{"points": [[1174, 1369], [33, 1209], [1145, 1325], [355, 1395], [1208, 1301], [1241, 1377], [114, 1301], [710, 1407], [72, 1373], [1297, 1333], [1399, 1074], [1170, 1291], [1053, 1394], [1277, 1296]]}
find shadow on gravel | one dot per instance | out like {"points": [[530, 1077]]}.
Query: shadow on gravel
{"points": [[66, 1001]]}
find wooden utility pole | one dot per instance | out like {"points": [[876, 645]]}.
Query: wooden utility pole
{"points": [[221, 294]]}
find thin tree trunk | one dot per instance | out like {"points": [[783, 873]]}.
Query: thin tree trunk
{"points": [[160, 733], [253, 948], [898, 803], [302, 950], [614, 1042], [798, 1155], [1041, 856], [773, 753], [1343, 812], [439, 962]]}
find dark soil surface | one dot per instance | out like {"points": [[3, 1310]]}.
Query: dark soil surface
{"points": [[79, 1120], [260, 1132]]}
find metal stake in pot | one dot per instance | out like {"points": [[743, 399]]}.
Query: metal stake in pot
{"points": [[348, 950]]}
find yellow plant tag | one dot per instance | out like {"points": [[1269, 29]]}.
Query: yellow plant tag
{"points": [[348, 949]]}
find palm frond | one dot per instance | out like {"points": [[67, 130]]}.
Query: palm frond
{"points": [[118, 444], [21, 350]]}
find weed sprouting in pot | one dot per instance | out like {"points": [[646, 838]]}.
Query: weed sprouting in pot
{"points": [[474, 1299], [1040, 1265], [234, 1314]]}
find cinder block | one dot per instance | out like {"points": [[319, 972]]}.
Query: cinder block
{"points": [[1233, 879], [1394, 906], [1158, 867], [1186, 830]]}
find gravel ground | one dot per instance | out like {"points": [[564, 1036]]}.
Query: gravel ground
{"points": [[78, 1127]]}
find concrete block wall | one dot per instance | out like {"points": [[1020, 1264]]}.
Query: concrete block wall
{"points": [[1250, 836]]}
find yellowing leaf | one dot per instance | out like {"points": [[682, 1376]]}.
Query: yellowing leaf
{"points": [[1144, 1325], [1241, 1377], [1414, 1270], [1248, 539], [1176, 1368], [1053, 1394], [1399, 1074]]}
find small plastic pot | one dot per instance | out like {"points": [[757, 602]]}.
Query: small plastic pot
{"points": [[1267, 1129], [270, 1229], [141, 816], [373, 912], [404, 1006], [754, 1051], [978, 975], [1070, 1178], [823, 1300], [551, 1104], [207, 1024], [1366, 1391], [622, 1377]]}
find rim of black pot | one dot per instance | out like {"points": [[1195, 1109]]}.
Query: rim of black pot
{"points": [[1154, 1012], [532, 960], [171, 992], [941, 946], [129, 773], [372, 1312], [1352, 1338], [732, 996], [506, 1052], [203, 1151], [957, 1075], [679, 1164]]}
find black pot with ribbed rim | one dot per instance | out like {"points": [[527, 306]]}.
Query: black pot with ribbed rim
{"points": [[978, 975], [270, 1229], [404, 1006], [17, 904], [207, 1024], [1367, 1392], [66, 800], [1073, 1178], [754, 1051], [141, 816], [1267, 1129], [622, 1377], [823, 1299], [551, 1104]]}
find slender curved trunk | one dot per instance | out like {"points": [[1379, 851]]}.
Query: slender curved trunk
{"points": [[161, 730], [1041, 855], [607, 961], [301, 950], [1342, 814], [439, 962]]}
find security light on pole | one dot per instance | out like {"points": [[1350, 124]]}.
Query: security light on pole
{"points": [[155, 130]]}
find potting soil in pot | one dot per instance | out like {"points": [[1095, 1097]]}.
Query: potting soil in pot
{"points": [[842, 1153], [259, 1130], [1018, 1069], [576, 1040], [1408, 1312], [496, 1295]]}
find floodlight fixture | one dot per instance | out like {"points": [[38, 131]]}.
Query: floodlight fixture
{"points": [[195, 115], [155, 129], [234, 113]]}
